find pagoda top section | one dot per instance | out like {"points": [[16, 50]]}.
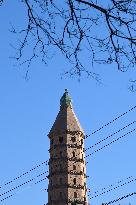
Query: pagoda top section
{"points": [[66, 119]]}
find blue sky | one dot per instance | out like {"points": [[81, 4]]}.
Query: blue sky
{"points": [[28, 110]]}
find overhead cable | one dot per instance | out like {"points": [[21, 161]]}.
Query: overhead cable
{"points": [[110, 186], [110, 135], [121, 198], [113, 188], [86, 136], [110, 143]]}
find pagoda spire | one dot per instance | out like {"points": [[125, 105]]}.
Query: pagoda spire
{"points": [[66, 118]]}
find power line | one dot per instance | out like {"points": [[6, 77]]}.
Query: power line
{"points": [[46, 177], [110, 186], [6, 197], [25, 173], [119, 199], [86, 136], [110, 143], [87, 156], [112, 189], [46, 162], [86, 149], [20, 185], [41, 180], [107, 138], [110, 135]]}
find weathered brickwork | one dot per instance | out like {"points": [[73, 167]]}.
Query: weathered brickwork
{"points": [[67, 169]]}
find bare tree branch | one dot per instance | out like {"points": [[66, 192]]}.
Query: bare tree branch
{"points": [[1, 1], [106, 33]]}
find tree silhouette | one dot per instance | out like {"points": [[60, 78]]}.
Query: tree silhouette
{"points": [[103, 30]]}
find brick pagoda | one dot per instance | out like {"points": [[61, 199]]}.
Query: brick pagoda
{"points": [[67, 167]]}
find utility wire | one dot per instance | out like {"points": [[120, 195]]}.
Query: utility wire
{"points": [[110, 143], [25, 173], [20, 185], [6, 198], [47, 171], [46, 162], [110, 186], [111, 190], [110, 135], [133, 180], [119, 199], [98, 150], [86, 136]]}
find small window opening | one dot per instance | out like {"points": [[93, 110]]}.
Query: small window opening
{"points": [[60, 139], [74, 180], [73, 154], [74, 167], [73, 139], [75, 195], [81, 141]]}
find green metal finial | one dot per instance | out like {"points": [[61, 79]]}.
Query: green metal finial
{"points": [[65, 99]]}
